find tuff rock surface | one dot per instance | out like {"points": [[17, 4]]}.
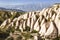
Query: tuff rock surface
{"points": [[40, 24]]}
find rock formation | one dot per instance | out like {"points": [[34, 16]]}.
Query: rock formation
{"points": [[45, 22]]}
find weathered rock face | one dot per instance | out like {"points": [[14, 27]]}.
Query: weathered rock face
{"points": [[45, 22]]}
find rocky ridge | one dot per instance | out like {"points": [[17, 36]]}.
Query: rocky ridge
{"points": [[45, 23]]}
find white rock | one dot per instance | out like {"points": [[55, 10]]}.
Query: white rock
{"points": [[50, 29], [53, 17], [36, 26], [4, 23], [32, 22], [57, 22], [42, 30], [30, 14], [17, 24], [14, 19], [20, 27], [25, 16], [42, 21], [28, 22], [41, 13], [24, 24]]}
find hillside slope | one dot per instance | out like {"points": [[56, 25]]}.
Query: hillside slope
{"points": [[45, 23]]}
